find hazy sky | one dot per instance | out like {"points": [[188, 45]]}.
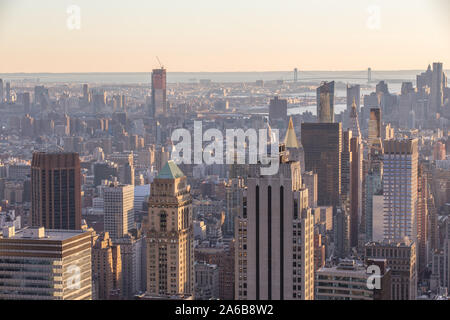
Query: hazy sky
{"points": [[223, 35]]}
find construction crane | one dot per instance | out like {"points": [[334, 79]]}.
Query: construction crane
{"points": [[160, 64]]}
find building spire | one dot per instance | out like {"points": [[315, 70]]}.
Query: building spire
{"points": [[291, 138], [354, 122]]}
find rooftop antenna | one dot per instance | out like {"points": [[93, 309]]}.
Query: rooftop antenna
{"points": [[160, 64]]}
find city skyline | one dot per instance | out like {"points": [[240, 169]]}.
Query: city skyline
{"points": [[212, 37], [144, 157]]}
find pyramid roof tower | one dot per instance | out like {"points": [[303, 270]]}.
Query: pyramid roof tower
{"points": [[291, 138], [170, 171]]}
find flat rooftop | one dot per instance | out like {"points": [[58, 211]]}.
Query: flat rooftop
{"points": [[32, 233]]}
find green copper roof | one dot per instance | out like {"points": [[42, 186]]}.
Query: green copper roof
{"points": [[170, 171]]}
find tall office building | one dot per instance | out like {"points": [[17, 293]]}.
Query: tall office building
{"points": [[118, 209], [275, 239], [374, 126], [353, 96], [40, 264], [56, 190], [106, 267], [400, 189], [401, 259], [1, 91], [277, 109], [356, 189], [8, 96], [322, 143], [437, 86], [170, 246], [346, 168], [133, 256], [159, 92], [325, 102], [373, 199], [422, 219], [125, 161], [233, 197]]}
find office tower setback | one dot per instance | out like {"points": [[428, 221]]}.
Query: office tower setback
{"points": [[400, 189], [325, 102], [275, 239], [41, 264], [118, 209], [322, 143], [159, 93], [56, 190], [170, 251]]}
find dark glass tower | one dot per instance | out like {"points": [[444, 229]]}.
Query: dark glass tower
{"points": [[56, 190]]}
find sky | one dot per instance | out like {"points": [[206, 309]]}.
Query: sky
{"points": [[219, 35]]}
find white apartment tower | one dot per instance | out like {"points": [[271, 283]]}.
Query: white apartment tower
{"points": [[118, 201]]}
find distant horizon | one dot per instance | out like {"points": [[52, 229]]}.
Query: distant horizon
{"points": [[253, 71]]}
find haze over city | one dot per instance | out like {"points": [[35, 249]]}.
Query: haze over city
{"points": [[224, 159], [201, 35]]}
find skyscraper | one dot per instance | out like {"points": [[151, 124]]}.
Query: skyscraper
{"points": [[106, 267], [159, 93], [356, 189], [8, 97], [325, 102], [374, 126], [437, 83], [422, 219], [118, 209], [170, 246], [56, 190], [1, 91], [353, 95], [275, 239], [278, 109], [400, 189], [322, 143]]}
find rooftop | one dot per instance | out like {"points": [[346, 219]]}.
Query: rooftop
{"points": [[170, 171]]}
